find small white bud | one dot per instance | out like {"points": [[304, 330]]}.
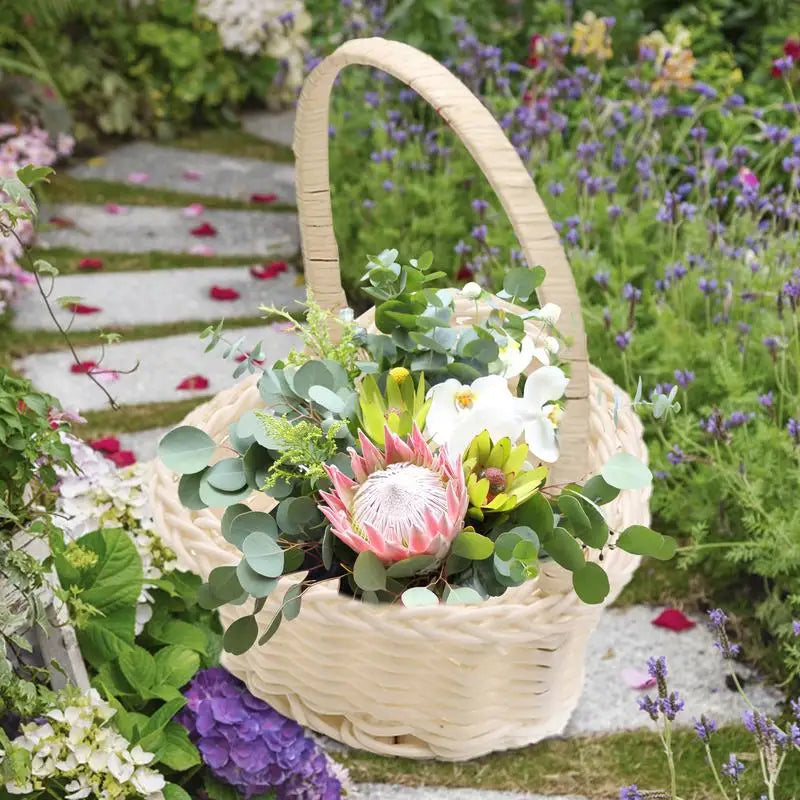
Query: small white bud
{"points": [[471, 290]]}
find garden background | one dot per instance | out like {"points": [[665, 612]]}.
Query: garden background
{"points": [[662, 137]]}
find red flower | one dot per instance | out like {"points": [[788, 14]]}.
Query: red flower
{"points": [[263, 272], [193, 382], [62, 222], [257, 197], [244, 356], [223, 293], [122, 458], [674, 620], [464, 273], [791, 47], [535, 50], [22, 408], [206, 229], [82, 367], [107, 445], [90, 263], [80, 308]]}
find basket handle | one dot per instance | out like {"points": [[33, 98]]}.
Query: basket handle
{"points": [[496, 157]]}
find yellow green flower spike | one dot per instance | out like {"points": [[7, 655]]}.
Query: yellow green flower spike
{"points": [[403, 404]]}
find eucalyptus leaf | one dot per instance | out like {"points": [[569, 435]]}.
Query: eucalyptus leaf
{"points": [[227, 475], [272, 629], [189, 491], [625, 471], [410, 566], [472, 545], [225, 584], [231, 512], [264, 555], [186, 449], [368, 572], [563, 549], [642, 541], [241, 635], [418, 596], [292, 601], [254, 584], [218, 499], [598, 491], [462, 595], [591, 583], [242, 525]]}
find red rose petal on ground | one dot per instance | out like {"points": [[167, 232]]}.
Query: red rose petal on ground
{"points": [[122, 458], [223, 293], [62, 222], [193, 382], [82, 367], [80, 308], [90, 263], [107, 445], [674, 620], [263, 272], [258, 197], [244, 356], [206, 229], [192, 175]]}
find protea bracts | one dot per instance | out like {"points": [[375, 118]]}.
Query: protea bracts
{"points": [[405, 500]]}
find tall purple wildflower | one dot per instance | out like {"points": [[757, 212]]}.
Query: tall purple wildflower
{"points": [[250, 745]]}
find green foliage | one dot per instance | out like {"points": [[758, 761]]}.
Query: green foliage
{"points": [[150, 68]]}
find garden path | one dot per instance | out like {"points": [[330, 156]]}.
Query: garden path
{"points": [[109, 256]]}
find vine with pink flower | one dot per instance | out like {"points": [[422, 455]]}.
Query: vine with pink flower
{"points": [[410, 462]]}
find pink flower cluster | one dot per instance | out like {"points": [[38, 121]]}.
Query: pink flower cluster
{"points": [[19, 147]]}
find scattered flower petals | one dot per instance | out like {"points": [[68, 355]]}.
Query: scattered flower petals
{"points": [[206, 229], [82, 367], [122, 458], [263, 272], [674, 620], [192, 174], [116, 209], [80, 308], [138, 177], [193, 382], [62, 222], [202, 250], [107, 445], [638, 678], [194, 210], [258, 197], [106, 375], [90, 263], [244, 356], [223, 293]]}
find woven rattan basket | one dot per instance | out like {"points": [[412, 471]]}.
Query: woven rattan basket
{"points": [[450, 682]]}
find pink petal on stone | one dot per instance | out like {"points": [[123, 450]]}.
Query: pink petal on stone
{"points": [[138, 177], [638, 678], [115, 209], [202, 250], [194, 210], [192, 174]]}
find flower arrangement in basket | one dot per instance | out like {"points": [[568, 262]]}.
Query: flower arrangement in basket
{"points": [[409, 464]]}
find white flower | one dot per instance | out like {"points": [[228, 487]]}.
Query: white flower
{"points": [[78, 789], [471, 290], [458, 413], [19, 788], [515, 356], [139, 756], [98, 760], [121, 770], [539, 415], [147, 781], [81, 751], [548, 313], [542, 354]]}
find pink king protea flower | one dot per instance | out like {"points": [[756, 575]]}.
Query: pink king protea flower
{"points": [[403, 502]]}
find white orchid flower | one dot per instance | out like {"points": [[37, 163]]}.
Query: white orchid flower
{"points": [[458, 413], [538, 413], [515, 356]]}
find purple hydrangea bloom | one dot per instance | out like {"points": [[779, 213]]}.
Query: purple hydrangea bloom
{"points": [[250, 745]]}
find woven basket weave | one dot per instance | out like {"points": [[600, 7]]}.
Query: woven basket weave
{"points": [[450, 682]]}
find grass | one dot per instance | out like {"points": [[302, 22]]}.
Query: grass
{"points": [[234, 142], [63, 188], [594, 767], [66, 260], [131, 419]]}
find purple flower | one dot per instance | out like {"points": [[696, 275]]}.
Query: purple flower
{"points": [[601, 279], [705, 90], [707, 285], [793, 427], [479, 206], [555, 188], [766, 400], [251, 746], [623, 339], [796, 627], [717, 619], [480, 232], [732, 769], [388, 185], [462, 247], [683, 377], [671, 706], [649, 706], [630, 292], [676, 455], [630, 793], [704, 727], [614, 211], [737, 419]]}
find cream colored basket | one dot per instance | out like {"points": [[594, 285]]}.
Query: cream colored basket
{"points": [[450, 682]]}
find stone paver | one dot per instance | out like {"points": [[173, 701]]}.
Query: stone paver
{"points": [[190, 171], [627, 638], [278, 128], [144, 444], [157, 296], [385, 791], [163, 364], [154, 228]]}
